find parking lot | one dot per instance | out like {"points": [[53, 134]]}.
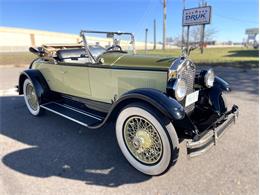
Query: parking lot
{"points": [[52, 155]]}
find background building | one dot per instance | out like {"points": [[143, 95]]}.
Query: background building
{"points": [[18, 39]]}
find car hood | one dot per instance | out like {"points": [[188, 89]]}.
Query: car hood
{"points": [[136, 60]]}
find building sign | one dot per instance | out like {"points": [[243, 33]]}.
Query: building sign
{"points": [[196, 16], [252, 31]]}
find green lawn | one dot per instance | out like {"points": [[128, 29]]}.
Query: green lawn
{"points": [[239, 57], [16, 58]]}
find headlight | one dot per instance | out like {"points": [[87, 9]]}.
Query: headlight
{"points": [[209, 78], [180, 89]]}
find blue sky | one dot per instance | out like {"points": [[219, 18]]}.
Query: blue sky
{"points": [[230, 18]]}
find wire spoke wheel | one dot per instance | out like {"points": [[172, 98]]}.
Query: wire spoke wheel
{"points": [[31, 97], [143, 140]]}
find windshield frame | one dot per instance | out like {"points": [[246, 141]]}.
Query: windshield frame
{"points": [[84, 32]]}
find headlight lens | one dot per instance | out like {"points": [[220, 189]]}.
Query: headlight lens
{"points": [[180, 89], [209, 78]]}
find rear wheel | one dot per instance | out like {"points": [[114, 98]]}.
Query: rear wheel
{"points": [[144, 140], [30, 98]]}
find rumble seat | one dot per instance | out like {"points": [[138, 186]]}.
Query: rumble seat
{"points": [[73, 56]]}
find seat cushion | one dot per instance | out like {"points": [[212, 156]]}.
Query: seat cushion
{"points": [[70, 53], [73, 55]]}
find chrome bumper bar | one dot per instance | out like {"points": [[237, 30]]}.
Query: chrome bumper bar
{"points": [[198, 147]]}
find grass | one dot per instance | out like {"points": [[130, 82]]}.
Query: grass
{"points": [[237, 57], [16, 58]]}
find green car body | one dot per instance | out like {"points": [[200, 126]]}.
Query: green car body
{"points": [[155, 102], [107, 81]]}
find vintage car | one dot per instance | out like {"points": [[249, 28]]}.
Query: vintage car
{"points": [[155, 102]]}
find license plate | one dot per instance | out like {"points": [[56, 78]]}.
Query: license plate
{"points": [[192, 98]]}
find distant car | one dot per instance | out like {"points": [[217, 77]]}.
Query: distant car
{"points": [[155, 102]]}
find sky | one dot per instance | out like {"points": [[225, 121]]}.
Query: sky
{"points": [[230, 18]]}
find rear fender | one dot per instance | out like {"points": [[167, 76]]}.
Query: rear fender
{"points": [[41, 87]]}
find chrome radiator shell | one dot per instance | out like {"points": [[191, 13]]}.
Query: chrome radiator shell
{"points": [[188, 74], [186, 70]]}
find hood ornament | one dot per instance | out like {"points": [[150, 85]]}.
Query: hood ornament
{"points": [[186, 51]]}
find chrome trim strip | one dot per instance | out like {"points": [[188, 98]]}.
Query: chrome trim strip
{"points": [[76, 110], [67, 117]]}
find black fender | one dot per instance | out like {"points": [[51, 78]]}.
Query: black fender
{"points": [[220, 86], [41, 87], [168, 106]]}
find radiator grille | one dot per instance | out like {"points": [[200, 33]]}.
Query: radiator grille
{"points": [[188, 74]]}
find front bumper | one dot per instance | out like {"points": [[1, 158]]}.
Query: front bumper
{"points": [[204, 143]]}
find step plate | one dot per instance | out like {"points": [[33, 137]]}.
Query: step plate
{"points": [[74, 114]]}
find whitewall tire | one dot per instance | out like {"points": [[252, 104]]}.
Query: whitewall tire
{"points": [[30, 98], [144, 140]]}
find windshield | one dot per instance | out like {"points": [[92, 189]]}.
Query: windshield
{"points": [[100, 42]]}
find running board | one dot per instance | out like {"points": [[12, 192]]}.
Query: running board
{"points": [[79, 116]]}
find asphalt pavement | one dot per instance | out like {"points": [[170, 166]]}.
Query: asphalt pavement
{"points": [[52, 155]]}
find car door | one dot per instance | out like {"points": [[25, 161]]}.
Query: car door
{"points": [[103, 86], [76, 80], [52, 73]]}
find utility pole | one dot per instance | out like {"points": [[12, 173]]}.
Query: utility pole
{"points": [[154, 34], [182, 35], [164, 24], [145, 47], [202, 29], [187, 39]]}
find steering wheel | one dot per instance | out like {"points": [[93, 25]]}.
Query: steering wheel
{"points": [[115, 47]]}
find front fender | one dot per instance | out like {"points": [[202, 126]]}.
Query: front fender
{"points": [[220, 86], [40, 85], [168, 106]]}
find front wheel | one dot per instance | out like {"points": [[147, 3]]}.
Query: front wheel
{"points": [[30, 98], [144, 140]]}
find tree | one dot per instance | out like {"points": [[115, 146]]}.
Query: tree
{"points": [[177, 40], [195, 34], [169, 40]]}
